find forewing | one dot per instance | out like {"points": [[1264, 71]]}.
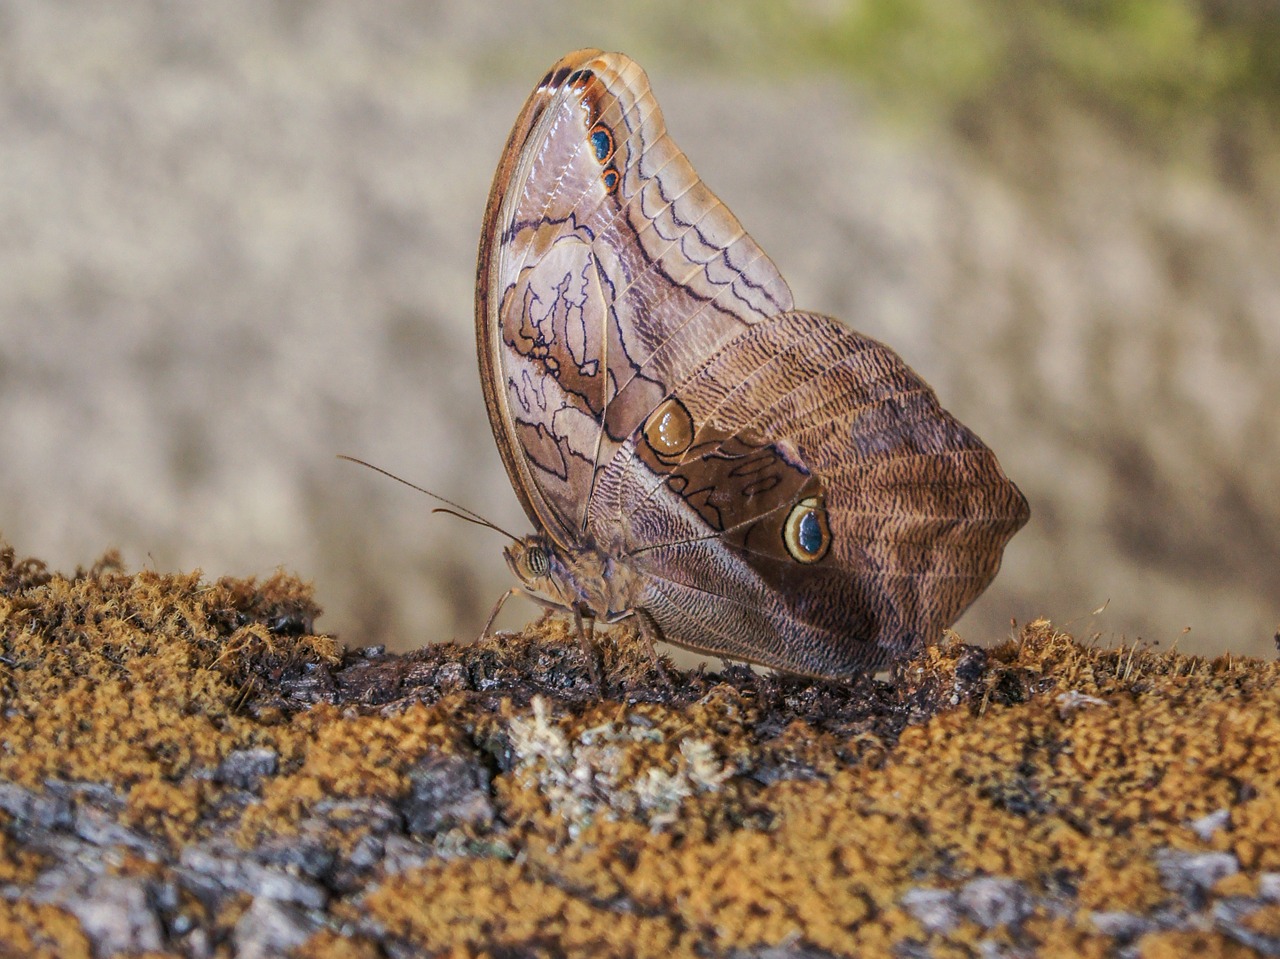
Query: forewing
{"points": [[607, 271]]}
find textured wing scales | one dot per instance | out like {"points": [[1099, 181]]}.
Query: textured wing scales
{"points": [[790, 492], [918, 508], [600, 245]]}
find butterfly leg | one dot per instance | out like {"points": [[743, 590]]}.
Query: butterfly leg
{"points": [[585, 631], [518, 591], [586, 637], [650, 633], [497, 608]]}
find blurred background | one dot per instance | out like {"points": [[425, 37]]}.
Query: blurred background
{"points": [[238, 238]]}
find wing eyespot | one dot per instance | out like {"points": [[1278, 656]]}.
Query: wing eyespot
{"points": [[806, 533], [601, 139], [601, 142], [668, 431]]}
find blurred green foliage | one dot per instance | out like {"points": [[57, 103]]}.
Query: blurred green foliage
{"points": [[1146, 61]]}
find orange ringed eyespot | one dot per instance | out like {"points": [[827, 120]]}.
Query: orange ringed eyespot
{"points": [[601, 142]]}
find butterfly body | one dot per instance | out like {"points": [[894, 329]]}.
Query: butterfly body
{"points": [[584, 580], [747, 479]]}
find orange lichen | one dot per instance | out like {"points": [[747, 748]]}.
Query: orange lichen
{"points": [[474, 904], [158, 808], [1090, 778], [348, 757], [647, 820], [1060, 937], [18, 865], [1180, 945], [120, 678], [1256, 836], [332, 945], [40, 932], [1265, 921]]}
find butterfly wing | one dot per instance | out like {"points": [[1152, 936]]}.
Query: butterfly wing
{"points": [[606, 270], [787, 491], [803, 501]]}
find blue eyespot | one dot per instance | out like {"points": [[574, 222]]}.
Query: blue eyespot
{"points": [[810, 532], [602, 143], [806, 532]]}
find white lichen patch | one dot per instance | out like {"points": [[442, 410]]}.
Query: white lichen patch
{"points": [[616, 769]]}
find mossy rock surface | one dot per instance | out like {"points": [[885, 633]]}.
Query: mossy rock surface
{"points": [[187, 769]]}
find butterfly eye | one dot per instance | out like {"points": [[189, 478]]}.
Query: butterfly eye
{"points": [[806, 533], [536, 559]]}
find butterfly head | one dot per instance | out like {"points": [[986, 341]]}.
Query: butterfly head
{"points": [[535, 563], [582, 578]]}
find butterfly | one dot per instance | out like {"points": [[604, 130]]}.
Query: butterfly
{"points": [[740, 477]]}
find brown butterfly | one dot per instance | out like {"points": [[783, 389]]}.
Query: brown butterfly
{"points": [[743, 478]]}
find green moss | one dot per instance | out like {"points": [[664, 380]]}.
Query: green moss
{"points": [[1147, 64]]}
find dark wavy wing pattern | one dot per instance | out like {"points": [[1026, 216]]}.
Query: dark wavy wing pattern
{"points": [[919, 509], [600, 245]]}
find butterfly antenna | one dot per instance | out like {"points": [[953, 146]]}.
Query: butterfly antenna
{"points": [[469, 519], [471, 516]]}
